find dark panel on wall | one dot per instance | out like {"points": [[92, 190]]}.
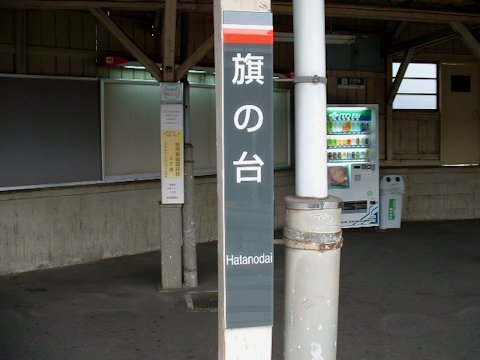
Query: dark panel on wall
{"points": [[362, 55], [49, 131]]}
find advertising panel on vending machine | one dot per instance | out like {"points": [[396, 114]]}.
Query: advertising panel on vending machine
{"points": [[353, 165]]}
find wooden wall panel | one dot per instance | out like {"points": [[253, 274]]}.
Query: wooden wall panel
{"points": [[198, 28], [34, 38], [89, 43], [7, 37], [76, 42], [48, 34], [62, 40], [416, 135]]}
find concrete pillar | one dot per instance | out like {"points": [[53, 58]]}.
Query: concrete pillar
{"points": [[313, 239], [171, 241]]}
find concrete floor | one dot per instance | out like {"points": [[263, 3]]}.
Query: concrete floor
{"points": [[409, 294]]}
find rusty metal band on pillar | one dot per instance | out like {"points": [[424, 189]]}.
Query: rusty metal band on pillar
{"points": [[319, 241]]}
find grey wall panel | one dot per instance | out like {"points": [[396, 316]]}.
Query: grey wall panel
{"points": [[49, 131]]}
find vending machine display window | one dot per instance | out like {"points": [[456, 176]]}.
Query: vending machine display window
{"points": [[338, 177]]}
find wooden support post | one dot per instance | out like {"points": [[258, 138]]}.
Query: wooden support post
{"points": [[128, 43], [391, 96], [399, 77], [21, 42], [389, 133], [467, 37], [168, 39], [195, 57]]}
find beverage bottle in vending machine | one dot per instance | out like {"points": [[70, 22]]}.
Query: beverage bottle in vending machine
{"points": [[337, 126], [329, 124], [346, 126]]}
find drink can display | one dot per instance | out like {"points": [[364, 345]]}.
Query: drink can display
{"points": [[353, 155], [366, 141]]}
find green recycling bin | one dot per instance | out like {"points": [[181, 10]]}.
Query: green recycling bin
{"points": [[392, 189]]}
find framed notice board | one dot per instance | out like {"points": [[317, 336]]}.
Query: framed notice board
{"points": [[49, 130]]}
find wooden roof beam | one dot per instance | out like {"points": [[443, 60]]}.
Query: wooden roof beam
{"points": [[168, 39], [195, 57], [426, 40], [128, 43], [467, 38], [278, 7]]}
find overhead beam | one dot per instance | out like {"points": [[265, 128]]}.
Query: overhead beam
{"points": [[168, 39], [426, 40], [467, 37], [128, 43], [278, 7], [396, 14], [195, 57]]}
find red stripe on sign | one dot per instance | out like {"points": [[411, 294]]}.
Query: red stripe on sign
{"points": [[247, 36]]}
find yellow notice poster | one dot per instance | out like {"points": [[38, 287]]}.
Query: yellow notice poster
{"points": [[172, 166]]}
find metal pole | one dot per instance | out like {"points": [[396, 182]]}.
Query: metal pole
{"points": [[310, 99], [190, 277], [313, 225]]}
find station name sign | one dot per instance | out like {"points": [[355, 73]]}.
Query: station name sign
{"points": [[248, 168]]}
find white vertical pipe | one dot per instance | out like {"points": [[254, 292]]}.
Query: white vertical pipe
{"points": [[312, 226], [310, 99]]}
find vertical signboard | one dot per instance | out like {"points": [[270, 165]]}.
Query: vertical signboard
{"points": [[248, 168], [171, 142]]}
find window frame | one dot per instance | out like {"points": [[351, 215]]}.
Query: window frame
{"points": [[436, 94]]}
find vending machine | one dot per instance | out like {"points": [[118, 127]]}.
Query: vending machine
{"points": [[353, 166]]}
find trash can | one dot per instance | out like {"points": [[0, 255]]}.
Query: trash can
{"points": [[392, 189]]}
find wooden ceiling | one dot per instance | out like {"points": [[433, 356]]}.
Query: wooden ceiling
{"points": [[438, 5], [400, 10]]}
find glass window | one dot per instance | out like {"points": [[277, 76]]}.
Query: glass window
{"points": [[418, 89]]}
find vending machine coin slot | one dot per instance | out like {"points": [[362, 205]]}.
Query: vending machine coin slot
{"points": [[355, 206]]}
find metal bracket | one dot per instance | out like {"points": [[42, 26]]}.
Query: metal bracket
{"points": [[315, 79], [296, 239]]}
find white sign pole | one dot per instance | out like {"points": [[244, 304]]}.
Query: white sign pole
{"points": [[171, 140]]}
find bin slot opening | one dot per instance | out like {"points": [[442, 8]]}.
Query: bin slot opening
{"points": [[355, 207]]}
